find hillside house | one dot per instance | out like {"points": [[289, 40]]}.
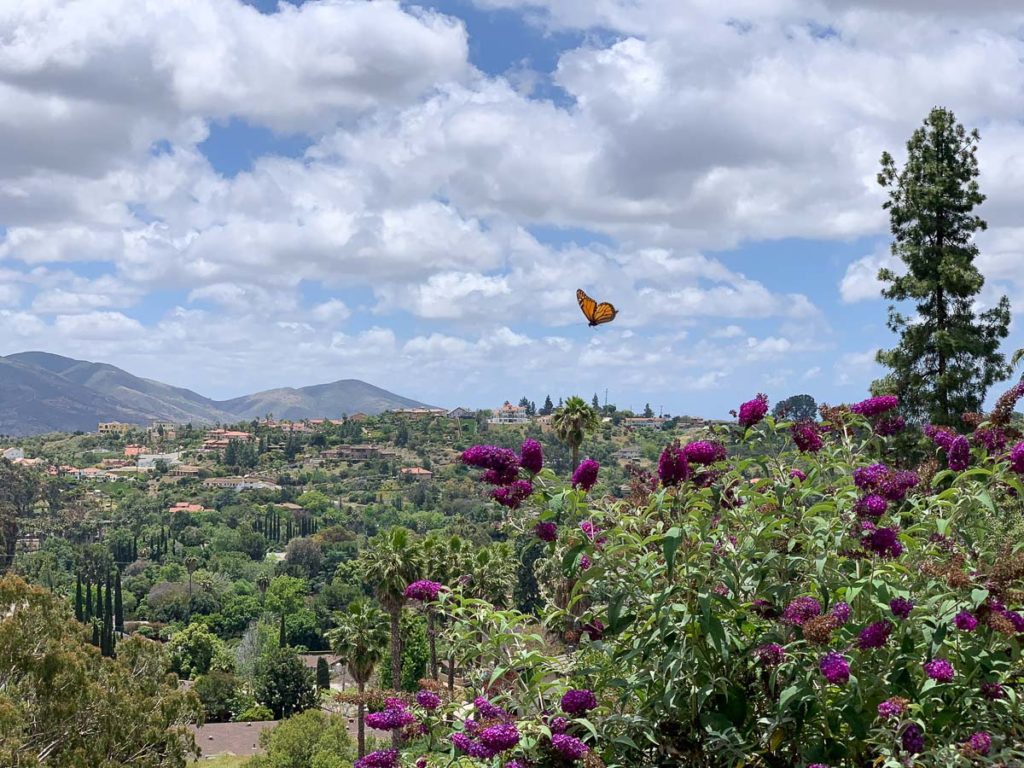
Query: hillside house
{"points": [[149, 460], [186, 507], [12, 453], [416, 473], [629, 453], [183, 470], [510, 414], [133, 450], [461, 413], [419, 413], [115, 427], [639, 422]]}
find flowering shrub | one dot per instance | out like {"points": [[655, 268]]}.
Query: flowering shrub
{"points": [[823, 604]]}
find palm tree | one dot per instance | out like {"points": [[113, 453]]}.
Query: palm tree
{"points": [[359, 640], [572, 422], [391, 563]]}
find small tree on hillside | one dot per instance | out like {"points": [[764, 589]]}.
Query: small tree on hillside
{"points": [[796, 408], [948, 354]]}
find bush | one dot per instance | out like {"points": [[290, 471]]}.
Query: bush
{"points": [[194, 650], [255, 713], [313, 739], [283, 684], [218, 691], [785, 608]]}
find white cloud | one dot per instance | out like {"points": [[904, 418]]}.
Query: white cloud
{"points": [[861, 283]]}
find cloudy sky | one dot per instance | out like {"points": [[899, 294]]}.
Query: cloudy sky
{"points": [[232, 196]]}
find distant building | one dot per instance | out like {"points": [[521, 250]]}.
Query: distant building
{"points": [[238, 483], [149, 460], [510, 414], [115, 427], [654, 422], [417, 473], [183, 470], [12, 453], [133, 450], [461, 413]]}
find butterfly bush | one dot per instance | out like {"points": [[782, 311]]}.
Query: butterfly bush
{"points": [[815, 594], [585, 476]]}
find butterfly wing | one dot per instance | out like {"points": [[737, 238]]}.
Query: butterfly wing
{"points": [[587, 305], [604, 313]]}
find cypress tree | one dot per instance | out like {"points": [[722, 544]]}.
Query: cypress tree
{"points": [[79, 613], [323, 674], [88, 600], [108, 621], [96, 634], [282, 639], [99, 601], [118, 605], [948, 353]]}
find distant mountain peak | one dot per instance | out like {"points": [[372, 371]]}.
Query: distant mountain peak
{"points": [[44, 392]]}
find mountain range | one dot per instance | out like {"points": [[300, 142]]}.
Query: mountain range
{"points": [[41, 392]]}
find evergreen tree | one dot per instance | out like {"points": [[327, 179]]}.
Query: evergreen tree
{"points": [[648, 411], [796, 408], [231, 453], [595, 403], [88, 600], [118, 605], [948, 354], [79, 611], [548, 406], [99, 601], [323, 674]]}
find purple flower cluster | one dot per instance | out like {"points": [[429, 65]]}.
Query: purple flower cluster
{"points": [[884, 542], [1017, 458], [800, 611], [499, 738], [980, 743], [874, 635], [797, 474], [589, 529], [531, 456], [913, 739], [875, 406], [558, 725], [703, 452], [585, 476], [470, 746], [840, 612], [888, 426], [673, 466], [807, 436], [578, 701], [958, 450], [394, 716], [770, 655], [835, 668], [424, 590], [569, 747], [502, 464], [546, 531], [880, 480], [428, 700], [992, 691], [992, 438], [901, 607], [965, 621], [753, 411], [959, 454], [382, 758], [894, 707], [514, 494], [871, 477], [489, 711], [871, 505], [940, 670]]}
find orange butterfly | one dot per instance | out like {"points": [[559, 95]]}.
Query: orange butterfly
{"points": [[594, 312]]}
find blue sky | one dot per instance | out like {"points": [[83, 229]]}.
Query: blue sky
{"points": [[235, 196]]}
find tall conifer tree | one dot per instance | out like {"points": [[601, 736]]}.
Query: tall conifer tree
{"points": [[948, 353]]}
